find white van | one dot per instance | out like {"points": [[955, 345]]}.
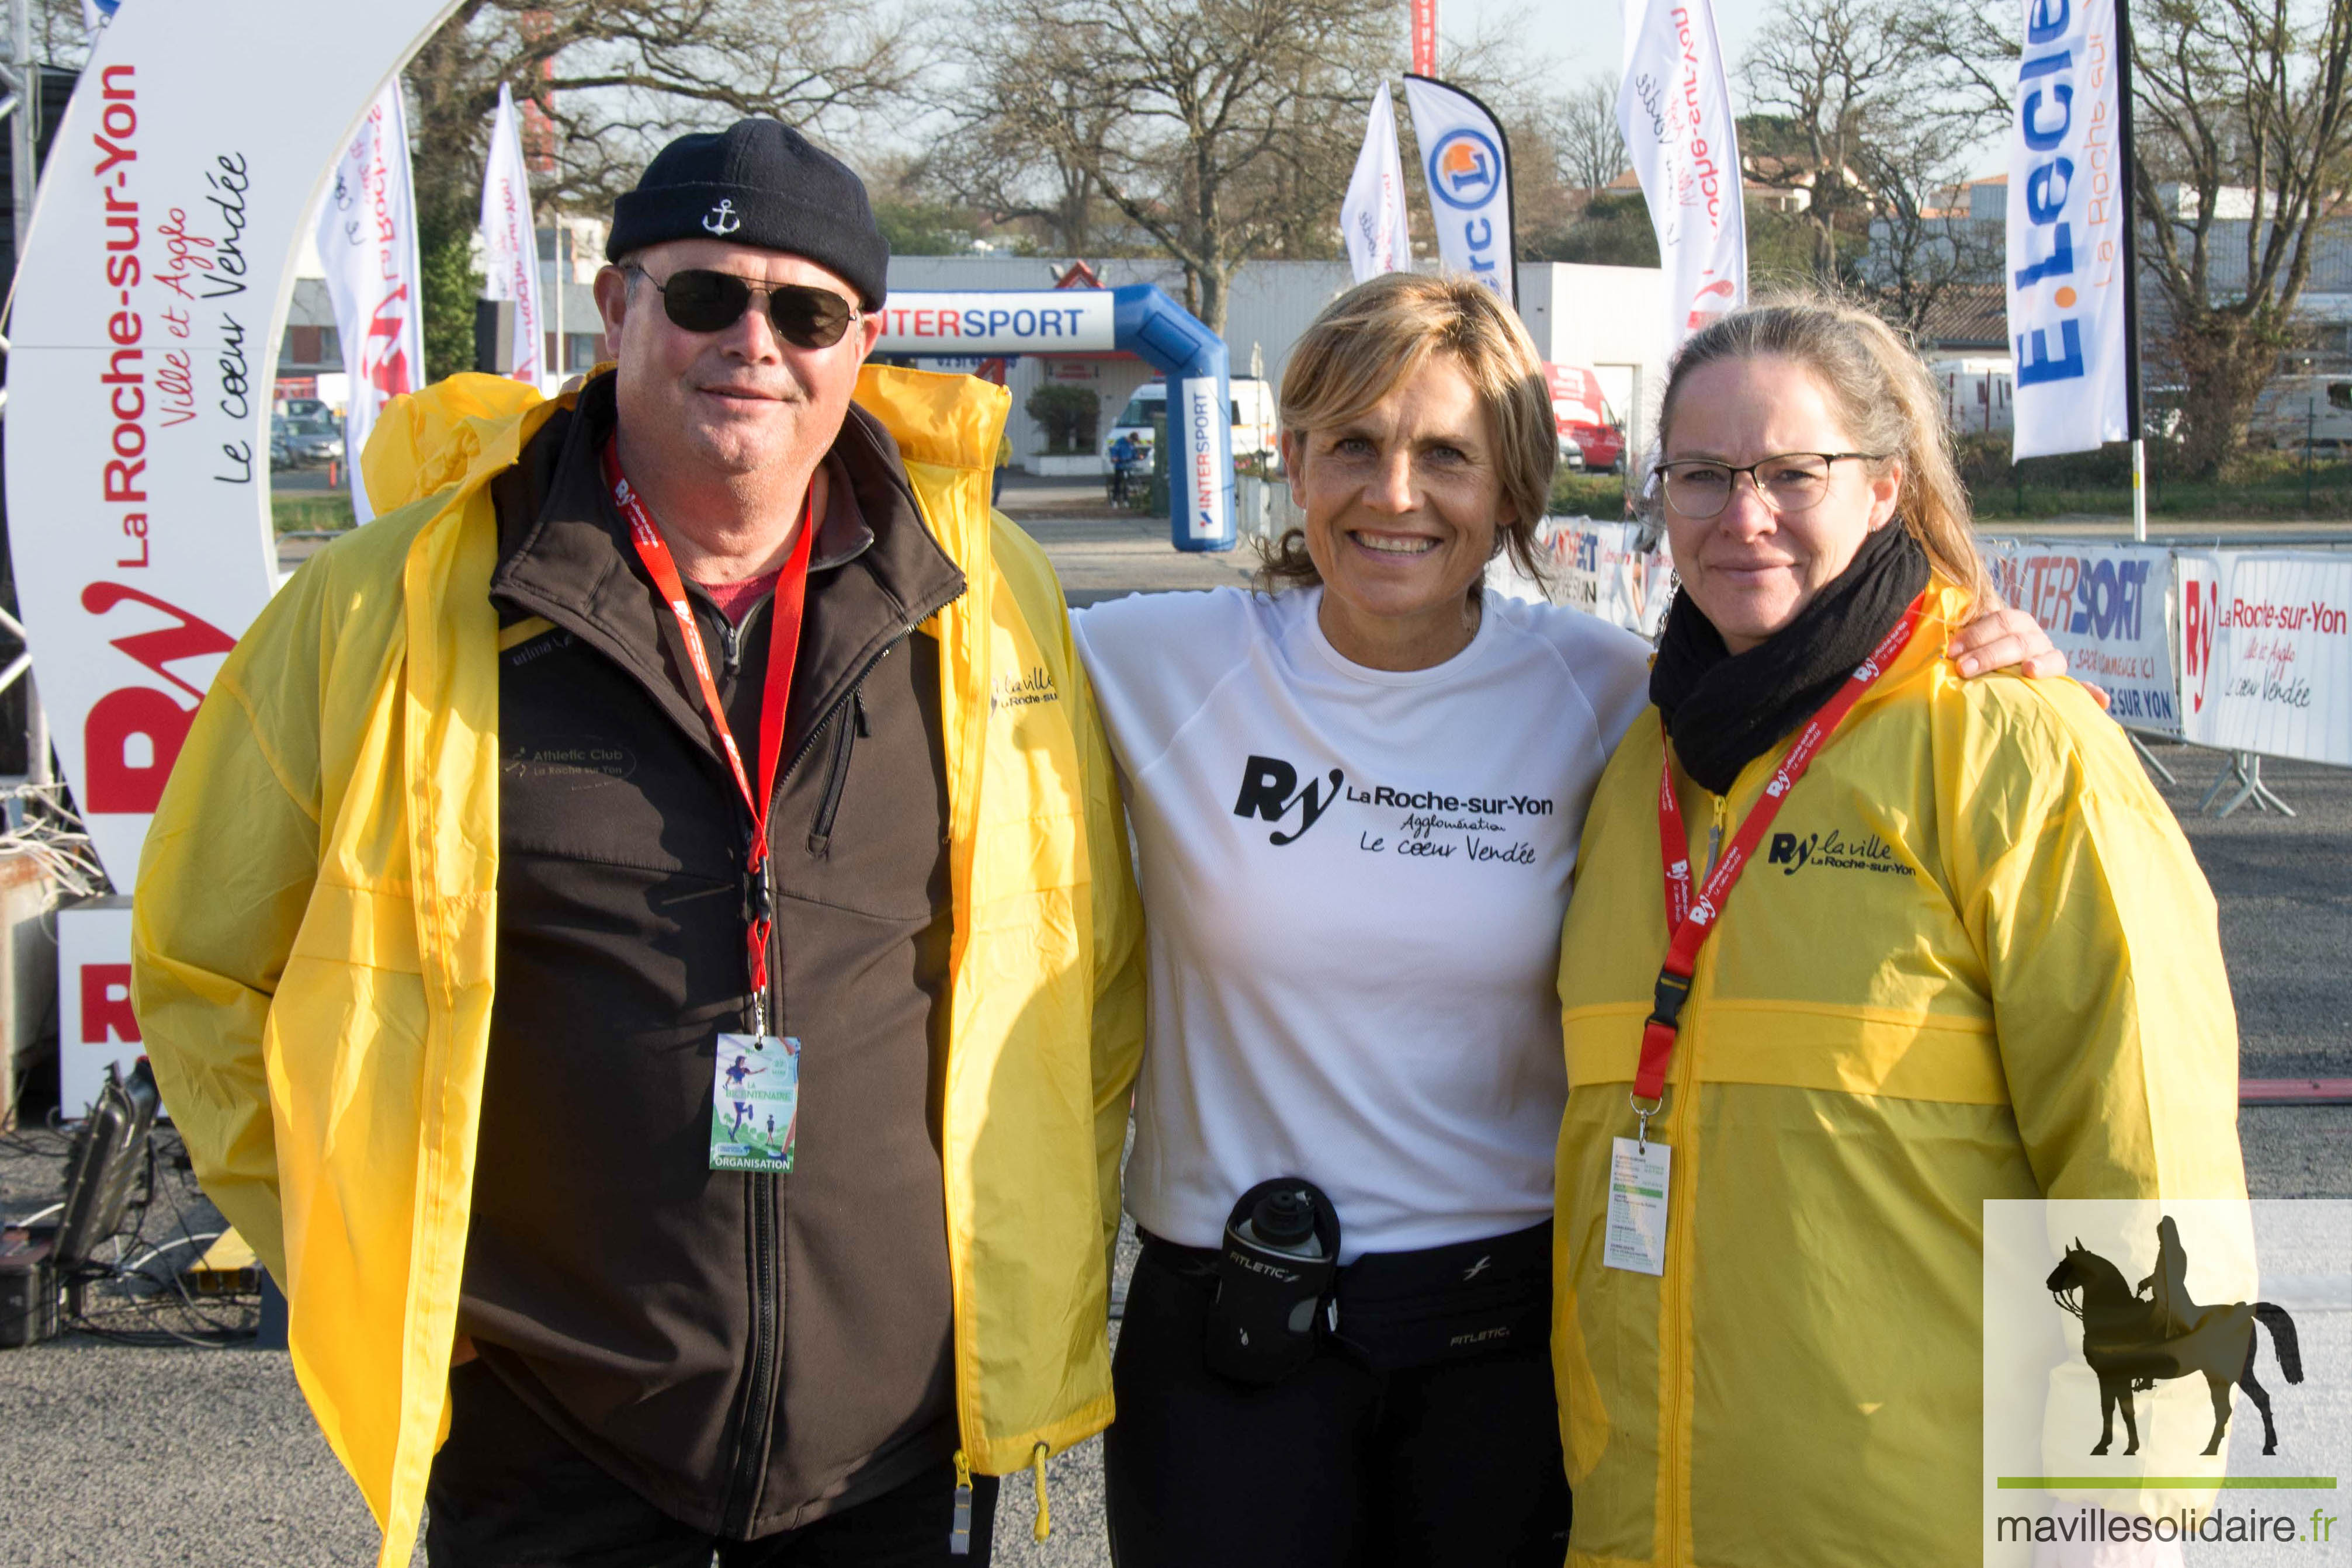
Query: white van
{"points": [[1253, 414], [2292, 409]]}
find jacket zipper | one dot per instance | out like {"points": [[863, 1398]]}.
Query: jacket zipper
{"points": [[1676, 1295], [847, 727], [754, 1431]]}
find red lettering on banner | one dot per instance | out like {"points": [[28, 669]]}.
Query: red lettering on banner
{"points": [[387, 361], [191, 638], [133, 734], [121, 779], [106, 1005], [2198, 601]]}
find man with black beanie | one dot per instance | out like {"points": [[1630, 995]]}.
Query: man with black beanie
{"points": [[613, 956]]}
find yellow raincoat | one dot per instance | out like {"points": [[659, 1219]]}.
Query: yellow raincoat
{"points": [[317, 906], [1974, 958]]}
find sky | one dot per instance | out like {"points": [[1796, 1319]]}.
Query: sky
{"points": [[1588, 36], [1584, 36]]}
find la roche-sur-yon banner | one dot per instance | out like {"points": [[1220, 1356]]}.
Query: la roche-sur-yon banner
{"points": [[1676, 114], [2067, 208], [2266, 653], [367, 243], [510, 238], [153, 285], [2104, 605], [1371, 217], [1467, 163]]}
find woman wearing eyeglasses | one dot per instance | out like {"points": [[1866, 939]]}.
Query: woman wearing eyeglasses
{"points": [[1856, 945], [1356, 798]]}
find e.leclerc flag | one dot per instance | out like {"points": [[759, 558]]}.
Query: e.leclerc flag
{"points": [[1676, 114], [509, 240], [367, 243], [2067, 208], [1372, 218], [1468, 166]]}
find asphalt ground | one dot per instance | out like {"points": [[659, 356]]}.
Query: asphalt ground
{"points": [[137, 1457]]}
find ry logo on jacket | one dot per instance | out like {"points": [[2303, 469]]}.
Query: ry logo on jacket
{"points": [[1270, 789]]}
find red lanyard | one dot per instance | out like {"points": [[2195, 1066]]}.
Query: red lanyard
{"points": [[1691, 923], [783, 649]]}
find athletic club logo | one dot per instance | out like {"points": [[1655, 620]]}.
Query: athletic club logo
{"points": [[1270, 791]]}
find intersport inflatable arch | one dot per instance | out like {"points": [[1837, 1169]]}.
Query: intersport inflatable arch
{"points": [[1139, 319]]}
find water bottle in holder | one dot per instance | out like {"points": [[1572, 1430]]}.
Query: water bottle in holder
{"points": [[1278, 1268]]}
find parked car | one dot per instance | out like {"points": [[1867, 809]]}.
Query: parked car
{"points": [[298, 442]]}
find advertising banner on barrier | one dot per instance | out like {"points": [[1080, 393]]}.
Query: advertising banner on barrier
{"points": [[1468, 166], [1602, 568], [367, 243], [1675, 113], [2266, 653], [2066, 212], [2104, 605]]}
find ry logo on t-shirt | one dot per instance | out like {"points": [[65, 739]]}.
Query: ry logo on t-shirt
{"points": [[1270, 789]]}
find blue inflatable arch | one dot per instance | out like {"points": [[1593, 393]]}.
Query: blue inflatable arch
{"points": [[1139, 319]]}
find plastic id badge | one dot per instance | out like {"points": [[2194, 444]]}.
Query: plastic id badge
{"points": [[1637, 1207], [755, 1092]]}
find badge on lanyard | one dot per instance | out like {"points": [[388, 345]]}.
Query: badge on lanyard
{"points": [[1638, 1166], [1636, 1237], [755, 1094], [755, 1077]]}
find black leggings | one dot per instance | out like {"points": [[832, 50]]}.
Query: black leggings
{"points": [[1337, 1466]]}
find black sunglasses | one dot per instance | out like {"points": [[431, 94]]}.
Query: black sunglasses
{"points": [[702, 300]]}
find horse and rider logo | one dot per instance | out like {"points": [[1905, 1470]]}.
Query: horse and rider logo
{"points": [[2132, 1338], [721, 219]]}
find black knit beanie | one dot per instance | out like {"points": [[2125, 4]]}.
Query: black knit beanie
{"points": [[757, 182]]}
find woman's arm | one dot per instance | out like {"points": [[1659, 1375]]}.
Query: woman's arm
{"points": [[2100, 939]]}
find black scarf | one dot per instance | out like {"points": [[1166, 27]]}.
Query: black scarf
{"points": [[1725, 709]]}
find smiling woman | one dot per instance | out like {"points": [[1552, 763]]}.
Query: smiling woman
{"points": [[1357, 797], [1418, 436], [1856, 946]]}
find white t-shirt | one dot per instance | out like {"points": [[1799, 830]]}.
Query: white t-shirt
{"points": [[1353, 881]]}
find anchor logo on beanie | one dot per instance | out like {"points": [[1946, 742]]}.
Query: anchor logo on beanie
{"points": [[761, 185]]}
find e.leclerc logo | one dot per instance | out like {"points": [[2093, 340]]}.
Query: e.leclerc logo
{"points": [[1462, 170]]}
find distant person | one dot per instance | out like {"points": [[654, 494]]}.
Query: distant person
{"points": [[1856, 945], [1356, 795], [443, 1036], [1123, 455]]}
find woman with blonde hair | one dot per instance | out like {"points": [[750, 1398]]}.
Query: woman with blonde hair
{"points": [[1356, 797], [1855, 946]]}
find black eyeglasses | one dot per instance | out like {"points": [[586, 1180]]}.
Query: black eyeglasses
{"points": [[1793, 481], [702, 300]]}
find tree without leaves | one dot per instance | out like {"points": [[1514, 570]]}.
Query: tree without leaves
{"points": [[1814, 67], [1872, 108], [1223, 129], [614, 79], [2236, 96], [1588, 148]]}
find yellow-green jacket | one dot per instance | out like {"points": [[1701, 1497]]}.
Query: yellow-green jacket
{"points": [[313, 943], [1975, 959]]}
